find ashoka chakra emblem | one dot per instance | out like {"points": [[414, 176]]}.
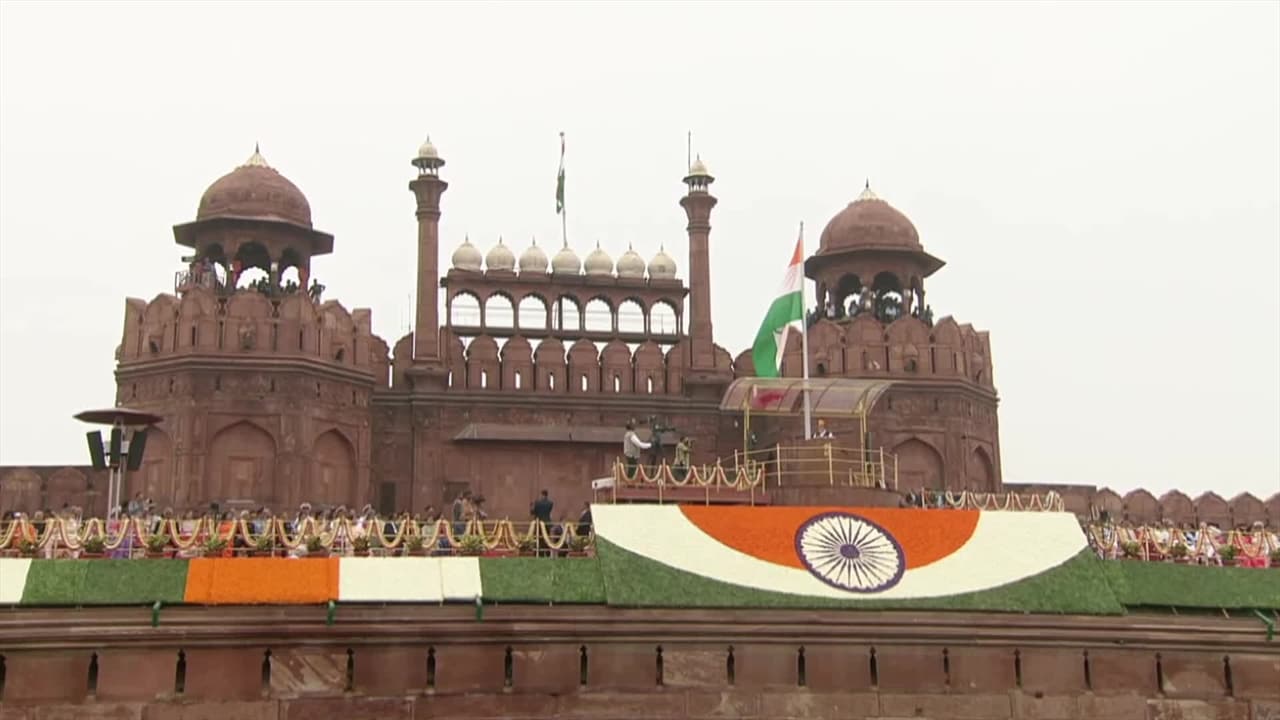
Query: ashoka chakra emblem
{"points": [[850, 552]]}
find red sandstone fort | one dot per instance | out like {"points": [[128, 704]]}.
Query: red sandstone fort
{"points": [[271, 394]]}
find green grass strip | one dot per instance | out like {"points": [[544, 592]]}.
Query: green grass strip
{"points": [[578, 580], [1160, 584], [541, 580], [517, 579], [55, 582], [133, 582], [1078, 586], [105, 582]]}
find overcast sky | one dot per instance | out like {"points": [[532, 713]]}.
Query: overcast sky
{"points": [[1103, 181]]}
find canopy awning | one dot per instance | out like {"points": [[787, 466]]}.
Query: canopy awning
{"points": [[832, 397]]}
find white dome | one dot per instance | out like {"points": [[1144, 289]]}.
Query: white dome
{"points": [[598, 263], [699, 169], [427, 151], [566, 262], [500, 257], [662, 266], [533, 260], [467, 257], [630, 265]]}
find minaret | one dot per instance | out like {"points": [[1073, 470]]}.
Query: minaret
{"points": [[697, 204], [427, 189]]}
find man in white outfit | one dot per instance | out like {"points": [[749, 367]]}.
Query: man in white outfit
{"points": [[631, 447]]}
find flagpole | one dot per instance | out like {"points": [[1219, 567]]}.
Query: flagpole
{"points": [[804, 349]]}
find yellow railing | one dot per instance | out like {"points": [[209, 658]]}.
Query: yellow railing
{"points": [[819, 463], [969, 500]]}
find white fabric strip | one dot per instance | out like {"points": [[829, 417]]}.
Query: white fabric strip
{"points": [[13, 579], [397, 579]]}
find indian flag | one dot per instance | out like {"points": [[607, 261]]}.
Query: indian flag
{"points": [[560, 179], [784, 316]]}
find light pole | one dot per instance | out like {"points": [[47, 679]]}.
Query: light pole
{"points": [[124, 450]]}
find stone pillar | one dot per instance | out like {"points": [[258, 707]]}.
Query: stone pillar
{"points": [[427, 189], [697, 205]]}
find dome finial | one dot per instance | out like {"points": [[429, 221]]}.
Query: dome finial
{"points": [[867, 194], [256, 159]]}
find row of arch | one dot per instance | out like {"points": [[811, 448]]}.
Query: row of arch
{"points": [[1141, 507], [921, 466], [241, 464], [567, 313]]}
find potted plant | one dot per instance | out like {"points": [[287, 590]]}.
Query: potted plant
{"points": [[28, 548], [264, 546], [213, 547], [472, 545], [1228, 554], [156, 545], [316, 548], [1178, 553], [527, 546], [1132, 550], [94, 547], [414, 545], [1275, 558], [361, 546], [578, 545]]}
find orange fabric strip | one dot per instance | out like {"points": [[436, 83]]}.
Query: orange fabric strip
{"points": [[261, 581]]}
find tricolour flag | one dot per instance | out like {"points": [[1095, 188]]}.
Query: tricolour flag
{"points": [[784, 316], [560, 179]]}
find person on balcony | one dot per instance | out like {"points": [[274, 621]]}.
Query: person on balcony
{"points": [[680, 468], [631, 447], [824, 433]]}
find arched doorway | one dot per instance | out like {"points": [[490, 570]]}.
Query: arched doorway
{"points": [[981, 471], [242, 462], [334, 472], [919, 466]]}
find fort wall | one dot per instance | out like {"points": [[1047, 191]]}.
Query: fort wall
{"points": [[589, 662]]}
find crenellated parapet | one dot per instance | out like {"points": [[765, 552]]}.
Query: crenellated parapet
{"points": [[905, 349], [249, 325], [551, 366]]}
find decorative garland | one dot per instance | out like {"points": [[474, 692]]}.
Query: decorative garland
{"points": [[62, 534], [1159, 543]]}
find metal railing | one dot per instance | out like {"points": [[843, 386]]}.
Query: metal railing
{"points": [[822, 463]]}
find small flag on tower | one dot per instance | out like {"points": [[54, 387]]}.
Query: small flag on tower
{"points": [[785, 315], [560, 179]]}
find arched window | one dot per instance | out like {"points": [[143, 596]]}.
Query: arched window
{"points": [[517, 379], [648, 383], [498, 312], [484, 378], [662, 319], [464, 310], [630, 317], [532, 313], [551, 381], [584, 383], [599, 316], [617, 384]]}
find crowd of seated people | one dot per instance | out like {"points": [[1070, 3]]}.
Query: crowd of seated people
{"points": [[141, 529], [1252, 545]]}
